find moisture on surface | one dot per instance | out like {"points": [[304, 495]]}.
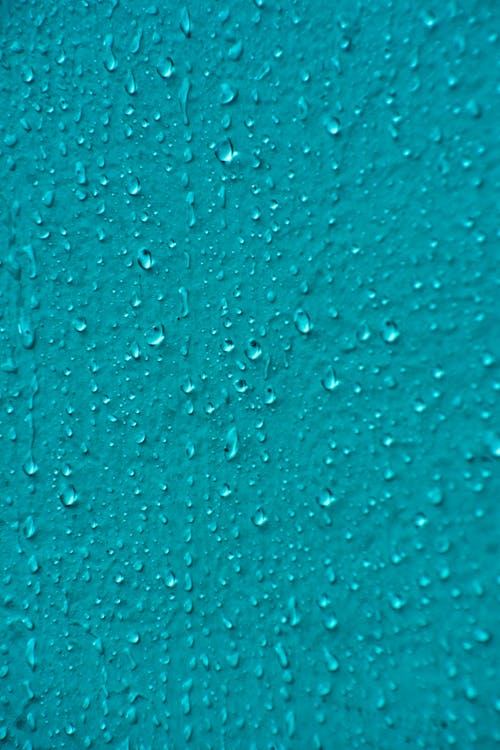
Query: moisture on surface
{"points": [[249, 375]]}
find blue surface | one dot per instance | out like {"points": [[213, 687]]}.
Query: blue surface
{"points": [[249, 375]]}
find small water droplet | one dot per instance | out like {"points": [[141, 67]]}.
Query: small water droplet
{"points": [[80, 325], [166, 68], [235, 51], [332, 125], [133, 185], [30, 466], [231, 447], [69, 496], [302, 321], [188, 385], [326, 498], [130, 84], [241, 385], [493, 444], [29, 528], [396, 601], [228, 93], [259, 518], [253, 350], [155, 335], [145, 258], [330, 380], [27, 332], [225, 152], [185, 22], [80, 173], [170, 579], [435, 495], [269, 396], [390, 332]]}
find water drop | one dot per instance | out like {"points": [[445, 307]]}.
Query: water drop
{"points": [[155, 335], [231, 447], [253, 350], [330, 381], [269, 396], [259, 518], [228, 93], [326, 498], [68, 496], [224, 152], [235, 51], [130, 84], [332, 125], [166, 68], [185, 22], [30, 466], [80, 325], [145, 259], [27, 332], [302, 321], [390, 332], [133, 185]]}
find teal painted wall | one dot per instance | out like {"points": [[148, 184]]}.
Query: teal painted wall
{"points": [[249, 375]]}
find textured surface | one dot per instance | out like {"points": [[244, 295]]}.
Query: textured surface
{"points": [[249, 375]]}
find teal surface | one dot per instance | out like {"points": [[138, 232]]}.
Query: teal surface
{"points": [[249, 375]]}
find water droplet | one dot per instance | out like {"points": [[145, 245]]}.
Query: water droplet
{"points": [[228, 93], [68, 496], [30, 466], [145, 259], [110, 61], [235, 51], [27, 332], [133, 186], [302, 321], [259, 518], [166, 68], [390, 332], [241, 385], [170, 579], [225, 152], [326, 498], [330, 381], [185, 22], [188, 385], [396, 601], [269, 396], [253, 350], [29, 528], [231, 447], [493, 444], [435, 495], [332, 125], [80, 325], [155, 335], [130, 84]]}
